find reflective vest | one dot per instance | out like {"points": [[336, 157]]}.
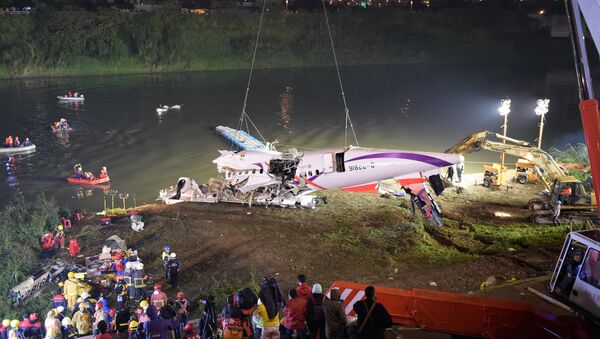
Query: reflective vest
{"points": [[138, 279], [127, 277]]}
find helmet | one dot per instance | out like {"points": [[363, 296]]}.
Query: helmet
{"points": [[84, 295], [60, 227], [71, 275], [180, 294], [140, 266], [33, 316], [14, 323], [118, 255], [66, 321], [133, 325], [317, 289], [167, 248], [143, 304], [104, 168], [60, 309], [173, 255], [61, 284], [157, 287], [6, 322]]}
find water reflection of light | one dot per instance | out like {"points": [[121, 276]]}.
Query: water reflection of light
{"points": [[286, 106], [11, 173]]}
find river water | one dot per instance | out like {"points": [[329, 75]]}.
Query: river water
{"points": [[411, 107]]}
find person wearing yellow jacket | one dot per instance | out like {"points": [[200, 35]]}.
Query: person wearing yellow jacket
{"points": [[270, 325], [71, 290]]}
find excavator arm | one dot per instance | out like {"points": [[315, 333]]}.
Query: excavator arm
{"points": [[545, 164]]}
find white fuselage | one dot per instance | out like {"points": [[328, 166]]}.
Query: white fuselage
{"points": [[332, 168]]}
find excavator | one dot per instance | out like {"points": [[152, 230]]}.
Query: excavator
{"points": [[580, 205]]}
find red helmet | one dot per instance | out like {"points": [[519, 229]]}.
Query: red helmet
{"points": [[157, 287], [118, 255], [180, 294], [33, 316]]}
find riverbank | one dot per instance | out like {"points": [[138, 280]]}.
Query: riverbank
{"points": [[86, 43]]}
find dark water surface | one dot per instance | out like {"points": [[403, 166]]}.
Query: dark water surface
{"points": [[413, 107]]}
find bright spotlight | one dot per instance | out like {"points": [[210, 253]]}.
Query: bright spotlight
{"points": [[504, 107]]}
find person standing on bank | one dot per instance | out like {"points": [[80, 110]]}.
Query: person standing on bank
{"points": [[373, 318]]}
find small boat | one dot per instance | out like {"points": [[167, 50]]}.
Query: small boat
{"points": [[60, 129], [67, 98], [176, 107], [160, 110], [17, 150], [95, 181]]}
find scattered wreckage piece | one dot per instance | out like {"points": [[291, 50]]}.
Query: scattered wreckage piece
{"points": [[38, 282]]}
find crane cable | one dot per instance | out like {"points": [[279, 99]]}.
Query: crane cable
{"points": [[244, 117], [337, 68]]}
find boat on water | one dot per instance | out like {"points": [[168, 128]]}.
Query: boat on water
{"points": [[94, 181], [17, 150], [70, 99]]}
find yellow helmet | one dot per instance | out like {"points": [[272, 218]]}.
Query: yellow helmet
{"points": [[6, 322], [71, 275], [61, 284], [133, 325], [14, 323], [143, 304], [60, 227]]}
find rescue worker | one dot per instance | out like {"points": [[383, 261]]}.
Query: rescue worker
{"points": [[129, 280], [135, 331], [36, 329], [174, 266], [121, 292], [566, 192], [71, 290], [119, 263], [459, 171], [157, 327], [14, 327], [158, 298], [53, 326], [59, 313], [99, 315], [8, 142], [166, 256], [139, 281], [84, 299], [304, 290], [16, 142], [373, 318], [59, 300], [24, 326], [335, 316], [122, 323], [68, 330], [556, 213], [103, 173], [82, 320], [59, 237], [27, 142], [4, 328], [184, 305], [142, 316]]}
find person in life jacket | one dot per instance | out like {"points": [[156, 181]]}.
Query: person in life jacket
{"points": [[4, 328], [8, 142], [24, 326], [27, 142], [158, 298], [63, 123], [129, 280], [121, 292], [136, 331], [78, 171], [142, 316], [16, 142], [71, 290], [103, 173], [166, 256]]}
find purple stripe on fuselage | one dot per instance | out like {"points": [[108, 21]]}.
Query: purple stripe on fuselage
{"points": [[409, 156]]}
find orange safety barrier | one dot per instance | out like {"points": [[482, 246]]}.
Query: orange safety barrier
{"points": [[465, 315]]}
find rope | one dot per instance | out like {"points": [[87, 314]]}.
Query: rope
{"points": [[244, 115], [337, 68]]}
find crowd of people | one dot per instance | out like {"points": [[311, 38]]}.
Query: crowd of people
{"points": [[9, 141]]}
